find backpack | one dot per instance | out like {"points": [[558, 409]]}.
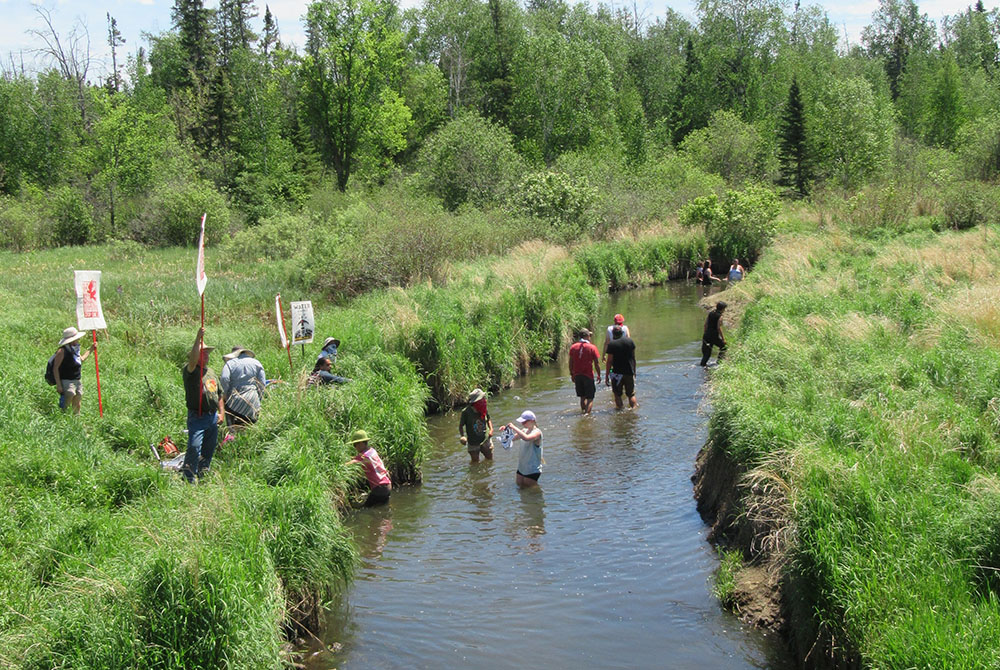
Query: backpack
{"points": [[50, 375]]}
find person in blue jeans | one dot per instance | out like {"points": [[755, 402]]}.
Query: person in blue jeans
{"points": [[206, 409]]}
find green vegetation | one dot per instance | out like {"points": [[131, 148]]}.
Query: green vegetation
{"points": [[108, 562], [861, 396]]}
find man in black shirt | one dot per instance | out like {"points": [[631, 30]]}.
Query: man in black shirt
{"points": [[713, 334], [206, 409], [620, 369]]}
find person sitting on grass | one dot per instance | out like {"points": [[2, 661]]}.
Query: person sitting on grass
{"points": [[375, 472], [243, 381], [322, 373]]}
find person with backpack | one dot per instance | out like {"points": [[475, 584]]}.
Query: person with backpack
{"points": [[206, 409], [65, 366]]}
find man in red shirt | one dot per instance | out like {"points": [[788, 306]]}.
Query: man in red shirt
{"points": [[584, 360]]}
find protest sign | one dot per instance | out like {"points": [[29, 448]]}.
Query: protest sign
{"points": [[89, 315], [303, 323]]}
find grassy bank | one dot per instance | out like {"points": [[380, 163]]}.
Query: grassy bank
{"points": [[861, 399], [107, 562]]}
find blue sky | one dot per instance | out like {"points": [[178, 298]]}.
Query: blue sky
{"points": [[153, 16]]}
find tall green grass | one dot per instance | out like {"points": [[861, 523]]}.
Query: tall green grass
{"points": [[865, 374], [105, 561]]}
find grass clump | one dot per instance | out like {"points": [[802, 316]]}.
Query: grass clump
{"points": [[866, 386]]}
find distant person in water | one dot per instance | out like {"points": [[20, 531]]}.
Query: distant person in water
{"points": [[475, 427], [529, 454], [713, 334], [375, 472], [736, 271], [619, 321], [707, 277], [584, 360], [620, 368], [699, 271]]}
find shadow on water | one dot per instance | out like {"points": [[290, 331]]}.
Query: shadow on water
{"points": [[604, 565]]}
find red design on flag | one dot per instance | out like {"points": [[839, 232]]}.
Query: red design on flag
{"points": [[91, 309]]}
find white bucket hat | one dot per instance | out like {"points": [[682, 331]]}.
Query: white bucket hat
{"points": [[70, 335]]}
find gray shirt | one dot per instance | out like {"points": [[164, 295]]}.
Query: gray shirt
{"points": [[242, 382]]}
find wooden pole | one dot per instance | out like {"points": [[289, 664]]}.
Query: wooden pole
{"points": [[97, 370], [288, 341], [201, 358]]}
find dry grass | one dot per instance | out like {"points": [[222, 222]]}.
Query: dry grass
{"points": [[976, 306], [529, 261]]}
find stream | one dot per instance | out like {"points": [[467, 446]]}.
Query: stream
{"points": [[604, 565]]}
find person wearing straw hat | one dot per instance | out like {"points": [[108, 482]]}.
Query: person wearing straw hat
{"points": [[375, 472], [242, 381], [66, 367], [475, 428], [206, 409], [329, 349], [529, 455]]}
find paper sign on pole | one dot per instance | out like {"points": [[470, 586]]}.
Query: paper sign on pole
{"points": [[281, 321], [303, 323], [89, 315], [199, 274]]}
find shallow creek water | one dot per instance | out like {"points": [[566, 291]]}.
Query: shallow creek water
{"points": [[605, 565]]}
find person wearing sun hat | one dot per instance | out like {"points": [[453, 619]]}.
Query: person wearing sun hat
{"points": [[475, 428], [205, 409], [375, 472], [529, 454], [242, 382], [329, 349], [67, 365]]}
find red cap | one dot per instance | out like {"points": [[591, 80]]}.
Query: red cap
{"points": [[619, 319]]}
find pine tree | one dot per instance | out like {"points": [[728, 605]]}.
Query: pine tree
{"points": [[193, 24], [684, 115], [792, 150], [115, 40], [269, 40]]}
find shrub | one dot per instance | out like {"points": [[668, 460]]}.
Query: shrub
{"points": [[558, 199], [979, 148], [740, 225], [279, 237], [173, 215], [469, 160], [729, 147], [20, 226], [881, 209], [970, 203], [72, 217]]}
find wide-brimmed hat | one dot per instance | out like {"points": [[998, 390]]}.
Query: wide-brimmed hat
{"points": [[619, 319], [476, 395], [236, 352], [359, 436], [526, 415], [334, 340], [71, 334]]}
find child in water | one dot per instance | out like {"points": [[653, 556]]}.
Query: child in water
{"points": [[529, 454], [375, 472]]}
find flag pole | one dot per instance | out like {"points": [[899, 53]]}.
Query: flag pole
{"points": [[97, 370], [288, 342], [201, 349]]}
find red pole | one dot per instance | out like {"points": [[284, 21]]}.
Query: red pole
{"points": [[201, 348], [288, 342], [100, 407]]}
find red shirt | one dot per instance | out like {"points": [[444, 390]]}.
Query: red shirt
{"points": [[582, 356], [374, 469]]}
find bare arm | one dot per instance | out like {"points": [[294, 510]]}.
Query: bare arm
{"points": [[56, 362], [528, 437], [222, 409], [607, 368], [195, 352], [85, 355]]}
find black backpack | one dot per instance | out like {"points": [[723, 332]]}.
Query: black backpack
{"points": [[50, 375]]}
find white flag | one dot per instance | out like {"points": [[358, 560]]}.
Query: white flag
{"points": [[281, 321], [302, 322], [89, 315], [199, 274]]}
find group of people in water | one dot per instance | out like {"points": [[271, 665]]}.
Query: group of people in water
{"points": [[703, 273]]}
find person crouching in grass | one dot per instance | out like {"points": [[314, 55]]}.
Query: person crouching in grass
{"points": [[375, 472]]}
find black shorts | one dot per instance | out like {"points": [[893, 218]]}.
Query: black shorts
{"points": [[378, 496], [586, 387], [532, 477], [626, 383]]}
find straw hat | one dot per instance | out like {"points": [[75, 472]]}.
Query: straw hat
{"points": [[70, 335], [359, 436], [236, 352], [476, 395], [328, 340]]}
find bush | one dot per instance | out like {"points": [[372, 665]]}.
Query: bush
{"points": [[740, 225], [469, 160], [882, 209], [279, 237], [173, 215], [979, 148], [970, 203], [20, 226], [729, 147], [558, 199], [72, 217]]}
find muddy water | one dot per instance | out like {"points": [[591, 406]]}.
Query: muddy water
{"points": [[605, 565]]}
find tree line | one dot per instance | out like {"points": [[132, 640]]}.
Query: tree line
{"points": [[219, 114]]}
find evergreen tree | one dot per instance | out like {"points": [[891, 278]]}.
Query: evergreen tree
{"points": [[792, 147], [115, 40], [686, 113], [194, 27], [269, 40]]}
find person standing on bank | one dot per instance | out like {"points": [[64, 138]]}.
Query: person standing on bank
{"points": [[713, 334], [67, 366], [242, 382], [475, 428], [620, 368], [583, 355], [375, 472], [529, 454], [205, 407]]}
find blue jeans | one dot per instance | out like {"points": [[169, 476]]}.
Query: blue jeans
{"points": [[203, 433]]}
